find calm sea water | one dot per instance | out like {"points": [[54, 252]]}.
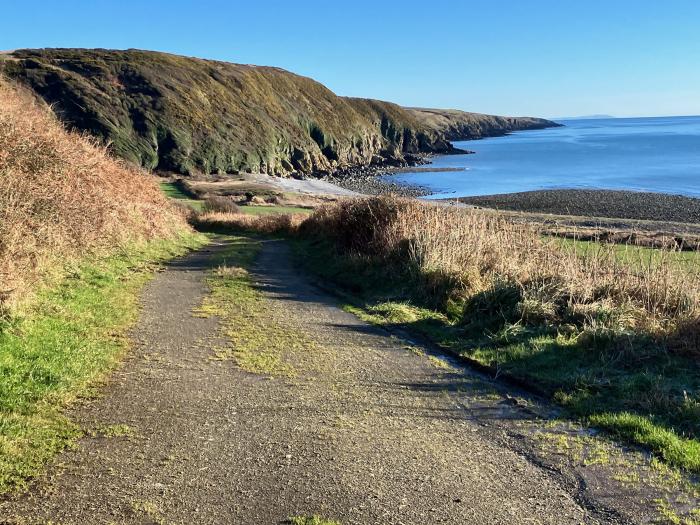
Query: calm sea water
{"points": [[659, 154]]}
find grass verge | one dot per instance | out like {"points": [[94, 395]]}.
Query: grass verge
{"points": [[58, 350]]}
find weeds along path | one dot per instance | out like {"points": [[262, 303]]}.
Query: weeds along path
{"points": [[262, 399]]}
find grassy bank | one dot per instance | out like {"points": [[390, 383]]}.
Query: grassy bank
{"points": [[610, 333], [80, 232], [64, 198], [58, 350]]}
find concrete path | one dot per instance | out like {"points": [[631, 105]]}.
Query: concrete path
{"points": [[368, 431]]}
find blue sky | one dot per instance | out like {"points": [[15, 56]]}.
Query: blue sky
{"points": [[516, 57]]}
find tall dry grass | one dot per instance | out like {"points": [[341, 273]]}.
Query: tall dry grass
{"points": [[62, 196], [218, 221], [499, 268]]}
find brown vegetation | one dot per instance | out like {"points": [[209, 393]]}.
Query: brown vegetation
{"points": [[219, 204], [472, 256], [266, 224], [62, 196], [497, 268]]}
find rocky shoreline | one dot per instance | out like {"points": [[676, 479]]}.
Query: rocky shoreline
{"points": [[621, 204], [370, 181]]}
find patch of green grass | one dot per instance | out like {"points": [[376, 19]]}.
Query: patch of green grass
{"points": [[59, 349], [149, 510], [258, 340], [636, 256], [672, 448], [119, 430], [311, 520], [267, 210], [172, 191], [624, 382], [668, 515]]}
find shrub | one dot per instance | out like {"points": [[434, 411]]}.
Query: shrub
{"points": [[218, 204]]}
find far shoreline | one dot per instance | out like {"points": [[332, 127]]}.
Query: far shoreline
{"points": [[608, 203]]}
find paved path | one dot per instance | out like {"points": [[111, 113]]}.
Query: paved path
{"points": [[366, 432]]}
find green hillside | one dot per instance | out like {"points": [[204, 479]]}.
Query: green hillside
{"points": [[189, 115]]}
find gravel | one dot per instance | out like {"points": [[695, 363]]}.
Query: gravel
{"points": [[597, 203]]}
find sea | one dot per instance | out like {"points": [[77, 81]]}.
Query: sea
{"points": [[658, 154]]}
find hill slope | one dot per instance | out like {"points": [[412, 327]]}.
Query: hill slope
{"points": [[190, 115], [62, 197]]}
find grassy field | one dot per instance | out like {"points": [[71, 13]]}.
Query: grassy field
{"points": [[636, 256], [62, 347]]}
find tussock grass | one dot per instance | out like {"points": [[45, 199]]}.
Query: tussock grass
{"points": [[218, 204], [63, 197], [264, 223], [500, 269]]}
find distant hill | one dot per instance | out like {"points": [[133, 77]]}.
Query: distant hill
{"points": [[190, 115]]}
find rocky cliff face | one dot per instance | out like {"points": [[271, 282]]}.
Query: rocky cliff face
{"points": [[191, 116]]}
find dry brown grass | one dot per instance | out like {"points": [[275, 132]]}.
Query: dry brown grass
{"points": [[485, 260], [265, 224], [62, 196], [220, 204]]}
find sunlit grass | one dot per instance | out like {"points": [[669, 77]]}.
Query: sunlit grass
{"points": [[57, 351]]}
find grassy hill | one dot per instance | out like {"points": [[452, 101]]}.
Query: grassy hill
{"points": [[190, 115]]}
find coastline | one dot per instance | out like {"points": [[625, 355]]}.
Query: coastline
{"points": [[614, 204]]}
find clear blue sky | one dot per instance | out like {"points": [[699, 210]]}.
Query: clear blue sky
{"points": [[516, 57]]}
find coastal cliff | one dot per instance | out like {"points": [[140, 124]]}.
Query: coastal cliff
{"points": [[191, 116], [461, 125]]}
